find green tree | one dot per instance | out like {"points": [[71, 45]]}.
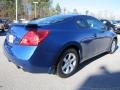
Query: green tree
{"points": [[75, 11], [43, 7], [8, 9], [58, 9]]}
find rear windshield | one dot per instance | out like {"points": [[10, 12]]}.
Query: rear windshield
{"points": [[50, 20]]}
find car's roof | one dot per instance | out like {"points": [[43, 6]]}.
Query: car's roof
{"points": [[72, 15], [67, 16]]}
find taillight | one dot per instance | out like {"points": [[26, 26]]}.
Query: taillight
{"points": [[34, 37]]}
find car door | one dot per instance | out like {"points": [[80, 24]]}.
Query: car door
{"points": [[101, 41], [87, 38]]}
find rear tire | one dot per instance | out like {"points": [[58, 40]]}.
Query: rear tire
{"points": [[68, 63]]}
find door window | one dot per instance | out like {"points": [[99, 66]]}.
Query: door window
{"points": [[95, 24]]}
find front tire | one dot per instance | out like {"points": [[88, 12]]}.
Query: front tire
{"points": [[113, 46], [68, 63]]}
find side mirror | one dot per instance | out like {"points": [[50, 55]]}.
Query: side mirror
{"points": [[104, 22]]}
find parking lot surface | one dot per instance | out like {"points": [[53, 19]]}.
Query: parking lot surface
{"points": [[101, 73]]}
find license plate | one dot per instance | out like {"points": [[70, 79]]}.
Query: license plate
{"points": [[10, 38]]}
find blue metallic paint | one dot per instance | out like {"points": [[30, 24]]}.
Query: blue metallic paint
{"points": [[43, 58]]}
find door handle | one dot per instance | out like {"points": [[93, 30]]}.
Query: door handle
{"points": [[87, 39], [102, 31]]}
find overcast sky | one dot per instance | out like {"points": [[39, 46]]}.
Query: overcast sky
{"points": [[112, 6]]}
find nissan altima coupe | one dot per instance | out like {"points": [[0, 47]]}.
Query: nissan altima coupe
{"points": [[58, 44]]}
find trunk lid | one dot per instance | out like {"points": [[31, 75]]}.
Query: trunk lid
{"points": [[18, 31]]}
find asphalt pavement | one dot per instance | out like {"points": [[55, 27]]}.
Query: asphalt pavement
{"points": [[100, 73]]}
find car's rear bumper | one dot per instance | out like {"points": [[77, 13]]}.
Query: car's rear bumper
{"points": [[27, 64]]}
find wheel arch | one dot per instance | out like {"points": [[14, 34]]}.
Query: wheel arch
{"points": [[73, 45], [115, 38]]}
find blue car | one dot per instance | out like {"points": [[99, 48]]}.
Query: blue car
{"points": [[58, 44]]}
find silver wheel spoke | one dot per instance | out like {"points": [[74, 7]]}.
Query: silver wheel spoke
{"points": [[73, 59], [65, 60], [71, 67], [69, 56], [73, 62], [64, 67], [67, 70]]}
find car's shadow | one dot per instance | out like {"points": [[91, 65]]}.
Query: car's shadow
{"points": [[106, 80], [3, 33], [85, 63]]}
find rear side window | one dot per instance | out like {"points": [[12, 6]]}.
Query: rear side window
{"points": [[82, 23]]}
